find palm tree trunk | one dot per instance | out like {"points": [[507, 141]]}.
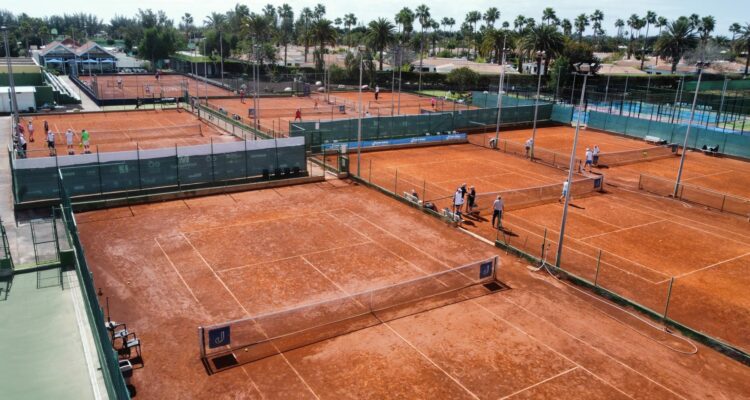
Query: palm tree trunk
{"points": [[381, 59], [677, 60], [747, 58], [643, 51], [285, 48]]}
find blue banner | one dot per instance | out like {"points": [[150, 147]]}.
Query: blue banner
{"points": [[455, 137]]}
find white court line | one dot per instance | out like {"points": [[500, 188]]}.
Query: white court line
{"points": [[177, 271], [401, 337], [480, 305], [598, 350], [247, 313], [707, 175], [712, 265], [298, 255], [541, 382], [620, 230]]}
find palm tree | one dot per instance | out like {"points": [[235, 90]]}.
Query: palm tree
{"points": [[519, 23], [493, 41], [650, 19], [305, 19], [349, 21], [695, 20], [745, 38], [323, 34], [319, 11], [675, 40], [596, 21], [581, 22], [217, 21], [567, 27], [287, 27], [661, 22], [706, 27], [548, 15], [422, 13], [544, 38], [490, 16], [735, 29], [380, 34], [472, 17], [435, 27], [405, 20], [187, 24], [619, 24], [633, 23]]}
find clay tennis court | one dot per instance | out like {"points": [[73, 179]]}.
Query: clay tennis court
{"points": [[135, 86], [124, 130], [645, 240], [171, 267], [276, 113]]}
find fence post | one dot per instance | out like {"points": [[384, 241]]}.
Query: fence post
{"points": [[424, 191], [99, 170], [669, 297], [723, 202], [598, 265], [369, 179], [640, 181], [213, 172], [544, 242]]}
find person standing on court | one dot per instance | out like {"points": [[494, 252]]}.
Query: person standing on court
{"points": [[589, 159], [298, 115], [21, 146], [497, 212], [46, 126], [242, 95], [69, 135], [51, 142], [458, 201], [596, 152], [529, 143], [471, 200], [30, 127], [564, 194], [377, 92], [85, 140]]}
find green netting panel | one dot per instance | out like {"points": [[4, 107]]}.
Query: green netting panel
{"points": [[36, 179], [119, 176], [489, 100], [637, 127], [562, 113]]}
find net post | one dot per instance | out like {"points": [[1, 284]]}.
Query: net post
{"points": [[544, 242], [669, 297], [369, 178], [395, 183], [598, 265], [177, 167]]}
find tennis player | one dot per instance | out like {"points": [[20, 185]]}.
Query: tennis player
{"points": [[85, 141], [497, 212], [471, 200], [377, 92], [69, 135], [564, 194], [21, 145], [529, 143], [596, 152], [589, 159], [298, 115], [242, 95], [458, 200], [51, 142], [30, 127]]}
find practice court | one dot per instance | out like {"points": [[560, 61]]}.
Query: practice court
{"points": [[171, 267]]}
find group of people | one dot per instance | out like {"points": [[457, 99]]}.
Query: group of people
{"points": [[70, 135], [592, 157], [468, 197]]}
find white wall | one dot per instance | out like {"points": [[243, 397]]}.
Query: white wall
{"points": [[25, 100]]}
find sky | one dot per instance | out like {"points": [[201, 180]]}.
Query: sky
{"points": [[725, 11]]}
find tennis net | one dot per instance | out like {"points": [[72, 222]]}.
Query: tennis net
{"points": [[234, 343], [546, 156], [637, 155], [305, 111], [515, 199], [136, 134], [724, 202]]}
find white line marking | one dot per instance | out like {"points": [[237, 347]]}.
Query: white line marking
{"points": [[177, 271], [712, 265], [541, 382]]}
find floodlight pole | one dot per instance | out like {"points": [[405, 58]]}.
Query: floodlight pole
{"points": [[687, 133], [540, 56], [11, 81], [500, 94], [571, 167], [400, 61], [359, 113]]}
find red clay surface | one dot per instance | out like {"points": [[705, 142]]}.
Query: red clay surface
{"points": [[645, 240], [277, 112], [134, 86], [145, 128], [169, 267]]}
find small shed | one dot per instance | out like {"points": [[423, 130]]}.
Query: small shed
{"points": [[24, 96]]}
